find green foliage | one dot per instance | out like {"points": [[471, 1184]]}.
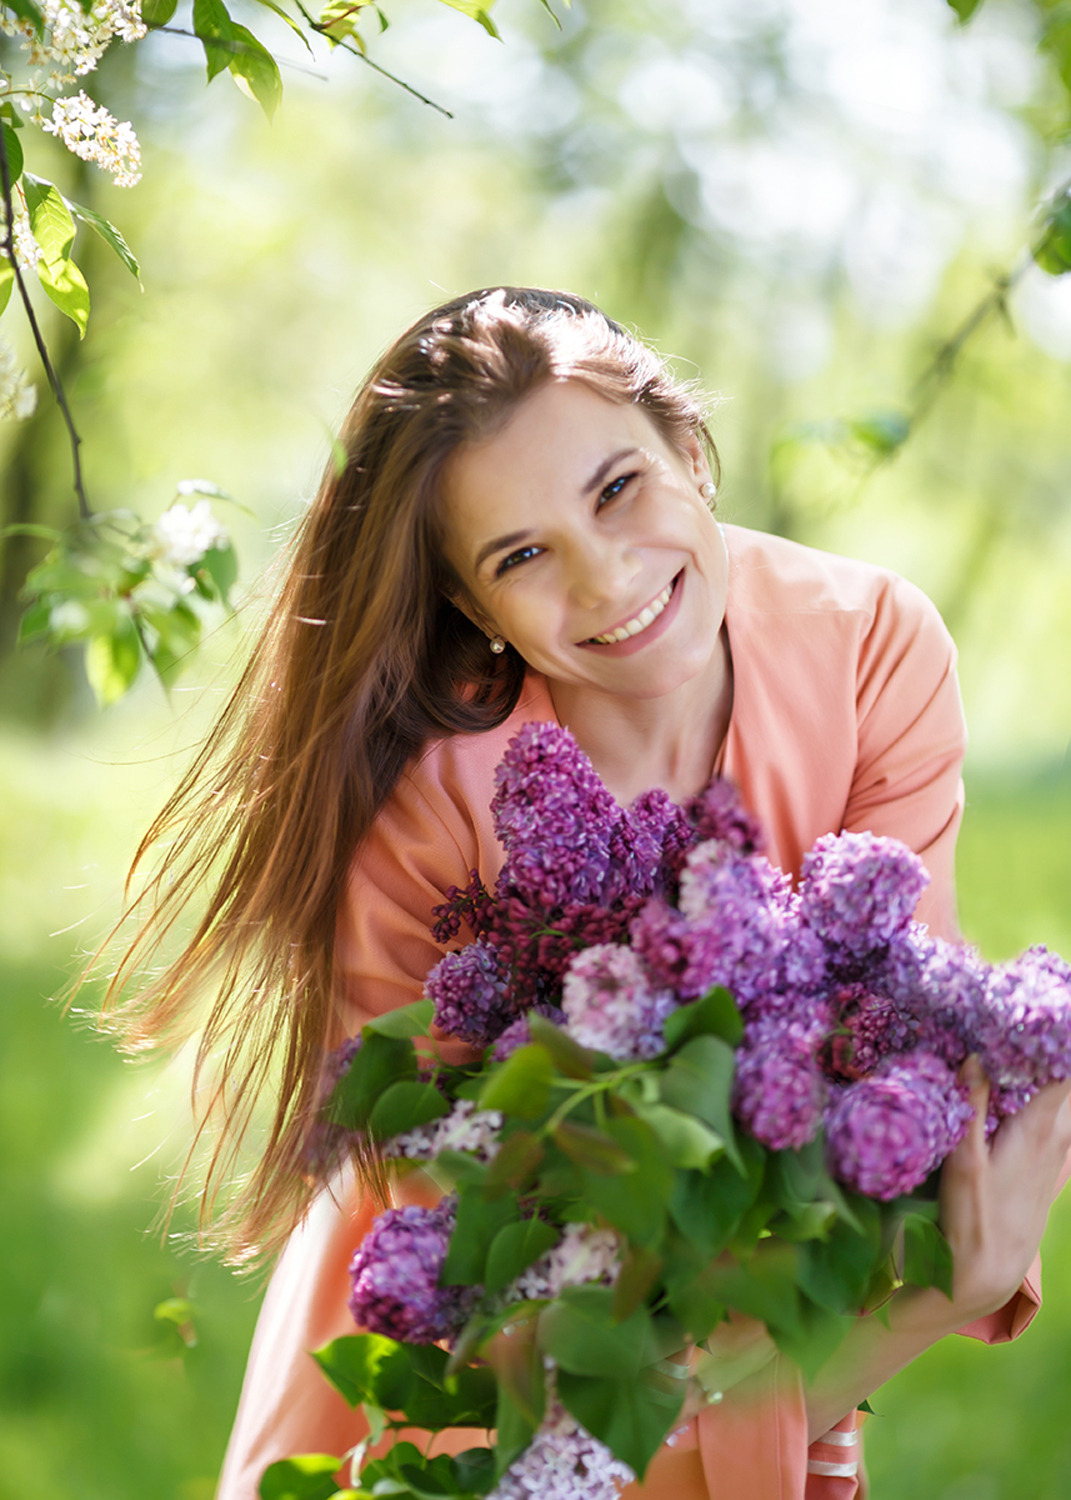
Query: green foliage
{"points": [[307, 1476]]}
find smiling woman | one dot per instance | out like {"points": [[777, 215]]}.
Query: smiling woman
{"points": [[522, 531]]}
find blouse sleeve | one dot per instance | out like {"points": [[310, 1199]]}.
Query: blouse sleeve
{"points": [[383, 953], [911, 741]]}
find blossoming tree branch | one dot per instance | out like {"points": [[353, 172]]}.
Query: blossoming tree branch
{"points": [[136, 594]]}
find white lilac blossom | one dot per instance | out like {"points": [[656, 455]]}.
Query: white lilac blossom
{"points": [[563, 1462], [27, 250], [583, 1254], [18, 395], [183, 534], [611, 1005], [72, 40], [91, 133], [465, 1128]]}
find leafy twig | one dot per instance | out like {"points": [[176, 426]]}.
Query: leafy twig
{"points": [[53, 378], [321, 30]]}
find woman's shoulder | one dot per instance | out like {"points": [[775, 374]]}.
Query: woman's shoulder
{"points": [[773, 575]]}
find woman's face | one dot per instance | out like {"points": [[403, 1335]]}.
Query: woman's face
{"points": [[581, 537]]}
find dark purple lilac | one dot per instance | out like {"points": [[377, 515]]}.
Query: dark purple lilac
{"points": [[471, 904], [886, 1133], [779, 1092], [469, 989], [553, 817], [394, 1277], [719, 813], [869, 1027], [859, 889]]}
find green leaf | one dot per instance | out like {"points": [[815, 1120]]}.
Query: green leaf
{"points": [[513, 1250], [882, 431], [927, 1254], [108, 233], [1053, 251], [715, 1014], [570, 1059], [50, 219], [478, 12], [13, 151], [308, 1476], [836, 1273], [112, 660], [639, 1272], [7, 282], [381, 1061], [579, 1333], [592, 1149], [252, 63], [964, 9], [479, 1220], [515, 1163], [516, 1420], [763, 1287], [631, 1417], [216, 30], [294, 27], [475, 1470], [699, 1080], [687, 1141], [26, 10], [407, 1021], [352, 1364], [404, 1106], [66, 286], [635, 1202], [36, 621], [158, 12], [520, 1085]]}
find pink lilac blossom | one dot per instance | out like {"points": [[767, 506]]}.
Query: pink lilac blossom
{"points": [[779, 1092], [395, 1273], [611, 1005], [886, 1133], [563, 1462], [469, 989], [859, 889]]}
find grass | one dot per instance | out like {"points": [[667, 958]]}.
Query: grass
{"points": [[102, 1398]]}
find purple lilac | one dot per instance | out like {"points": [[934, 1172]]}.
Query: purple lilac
{"points": [[941, 986], [518, 1033], [1024, 1037], [611, 1004], [719, 813], [779, 1092], [637, 845], [554, 818], [886, 1133], [394, 1276], [859, 889], [470, 993], [869, 1027]]}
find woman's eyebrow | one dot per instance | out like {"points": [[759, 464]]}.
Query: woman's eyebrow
{"points": [[500, 543]]}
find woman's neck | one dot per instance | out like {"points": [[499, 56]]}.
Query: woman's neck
{"points": [[672, 741]]}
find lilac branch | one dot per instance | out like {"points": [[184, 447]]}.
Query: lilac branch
{"points": [[53, 378]]}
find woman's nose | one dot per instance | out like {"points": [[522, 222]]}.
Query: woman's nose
{"points": [[601, 570]]}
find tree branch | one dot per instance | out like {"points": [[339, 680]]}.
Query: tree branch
{"points": [[53, 379]]}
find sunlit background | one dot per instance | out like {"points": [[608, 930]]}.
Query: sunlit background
{"points": [[799, 200]]}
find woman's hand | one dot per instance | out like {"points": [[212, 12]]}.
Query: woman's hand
{"points": [[996, 1195]]}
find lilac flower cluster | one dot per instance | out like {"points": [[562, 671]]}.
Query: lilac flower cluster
{"points": [[395, 1274], [583, 1254], [563, 1462]]}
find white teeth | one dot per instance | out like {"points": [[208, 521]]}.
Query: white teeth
{"points": [[646, 616]]}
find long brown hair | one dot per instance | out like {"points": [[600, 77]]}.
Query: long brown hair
{"points": [[363, 659]]}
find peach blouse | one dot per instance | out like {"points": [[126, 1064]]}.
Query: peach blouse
{"points": [[846, 716]]}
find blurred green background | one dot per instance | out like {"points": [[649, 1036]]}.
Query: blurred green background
{"points": [[799, 199]]}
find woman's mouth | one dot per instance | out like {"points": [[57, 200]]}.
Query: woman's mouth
{"points": [[638, 623]]}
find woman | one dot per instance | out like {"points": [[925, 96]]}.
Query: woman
{"points": [[522, 530]]}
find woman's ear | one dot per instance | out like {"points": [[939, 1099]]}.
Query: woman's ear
{"points": [[460, 600]]}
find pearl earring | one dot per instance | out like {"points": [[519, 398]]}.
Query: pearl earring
{"points": [[498, 645], [708, 490]]}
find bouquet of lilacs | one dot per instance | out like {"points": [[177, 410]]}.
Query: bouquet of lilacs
{"points": [[701, 1093]]}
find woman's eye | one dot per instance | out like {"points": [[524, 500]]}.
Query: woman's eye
{"points": [[511, 560], [614, 488]]}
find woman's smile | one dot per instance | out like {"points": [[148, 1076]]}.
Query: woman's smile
{"points": [[637, 632]]}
